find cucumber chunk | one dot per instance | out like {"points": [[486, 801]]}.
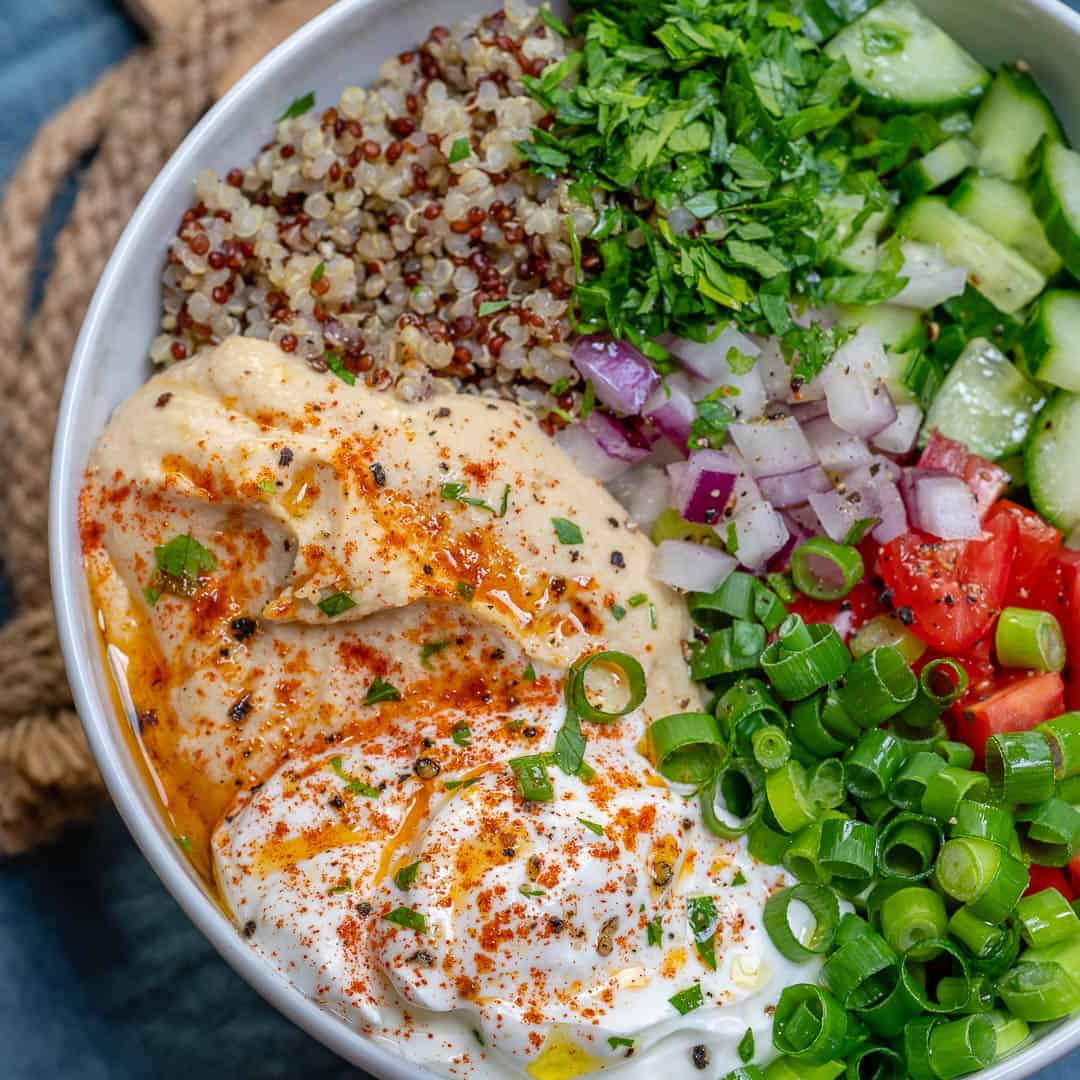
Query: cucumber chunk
{"points": [[858, 251], [1050, 344], [985, 402], [902, 61], [1057, 200], [944, 163], [822, 18], [1003, 277], [1050, 461], [1009, 123], [1006, 211]]}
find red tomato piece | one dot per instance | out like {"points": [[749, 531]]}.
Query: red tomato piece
{"points": [[1074, 874], [1038, 542], [1016, 706], [847, 615], [986, 480], [954, 588], [1050, 877], [1063, 587]]}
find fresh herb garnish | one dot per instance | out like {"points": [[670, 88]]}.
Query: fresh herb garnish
{"points": [[638, 599], [746, 1047], [334, 363], [591, 826], [654, 932], [588, 399], [182, 563], [317, 273], [461, 734], [453, 785], [528, 890], [183, 842], [553, 21], [654, 622], [332, 606], [701, 912], [344, 887], [455, 492], [492, 307], [268, 486], [409, 919], [857, 531], [618, 612], [381, 690], [461, 149], [430, 649], [739, 878], [567, 531], [465, 591], [731, 539], [151, 594], [352, 784], [405, 876], [688, 1000], [298, 107], [530, 672]]}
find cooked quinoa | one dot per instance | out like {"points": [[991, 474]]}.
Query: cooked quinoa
{"points": [[379, 234]]}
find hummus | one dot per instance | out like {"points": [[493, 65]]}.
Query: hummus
{"points": [[335, 619]]}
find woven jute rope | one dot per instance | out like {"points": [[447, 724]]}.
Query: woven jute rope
{"points": [[132, 120]]}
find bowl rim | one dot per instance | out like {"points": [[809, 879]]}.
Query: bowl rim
{"points": [[97, 715]]}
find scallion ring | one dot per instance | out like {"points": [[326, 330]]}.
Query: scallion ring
{"points": [[918, 978], [686, 747], [943, 681], [825, 570], [1020, 766], [824, 909], [633, 679], [809, 1024], [878, 685], [910, 782], [959, 1047], [803, 659], [911, 916], [1049, 832], [907, 846], [732, 800], [1029, 639]]}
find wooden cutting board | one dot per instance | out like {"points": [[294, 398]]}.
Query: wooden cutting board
{"points": [[281, 20]]}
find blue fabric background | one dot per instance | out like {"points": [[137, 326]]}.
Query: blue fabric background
{"points": [[101, 975]]}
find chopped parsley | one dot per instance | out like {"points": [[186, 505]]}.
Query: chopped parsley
{"points": [[739, 878], [570, 743], [151, 594], [409, 919], [553, 22], [298, 107], [461, 149], [857, 531], [746, 1047], [618, 612], [591, 826], [688, 1000], [530, 672], [492, 307], [353, 785], [182, 564], [528, 890], [405, 877], [381, 690], [615, 1041], [465, 591], [461, 734], [430, 649], [455, 492], [588, 400], [453, 785], [701, 912], [713, 420], [344, 887], [559, 386], [333, 362], [318, 273], [268, 486], [654, 932], [332, 606], [567, 531], [183, 842], [638, 599]]}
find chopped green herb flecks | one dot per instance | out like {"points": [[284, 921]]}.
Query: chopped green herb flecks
{"points": [[268, 486], [182, 564], [739, 878], [701, 912], [381, 690], [405, 877], [455, 492], [407, 918], [453, 785], [299, 106], [461, 149], [318, 273], [430, 649], [746, 1047], [151, 594], [528, 890], [352, 784], [183, 842], [618, 612], [492, 307], [337, 604], [615, 1041], [553, 21], [592, 826], [465, 591], [344, 887], [334, 363], [461, 734], [654, 932], [530, 672], [588, 400], [859, 530], [638, 599], [688, 1000], [567, 531]]}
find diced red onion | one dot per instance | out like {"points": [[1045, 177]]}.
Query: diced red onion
{"points": [[702, 486], [839, 510], [899, 437], [858, 403], [872, 472], [683, 564], [622, 376], [588, 455], [798, 531], [932, 279], [671, 408], [803, 520], [835, 449], [863, 353], [708, 360], [891, 513], [793, 489], [806, 411], [616, 438], [775, 370], [943, 506], [761, 533], [773, 447], [644, 491]]}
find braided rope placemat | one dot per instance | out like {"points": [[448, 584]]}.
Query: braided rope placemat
{"points": [[133, 120]]}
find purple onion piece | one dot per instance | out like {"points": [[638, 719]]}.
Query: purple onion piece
{"points": [[622, 376], [793, 489], [616, 438]]}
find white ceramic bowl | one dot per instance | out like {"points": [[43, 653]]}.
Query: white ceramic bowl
{"points": [[344, 47]]}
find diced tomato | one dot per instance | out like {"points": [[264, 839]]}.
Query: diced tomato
{"points": [[1074, 874], [1050, 877], [955, 588], [1031, 583], [1061, 595], [1016, 705], [976, 661], [986, 480], [847, 615]]}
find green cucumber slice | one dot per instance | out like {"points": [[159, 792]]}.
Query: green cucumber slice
{"points": [[902, 61], [1050, 461], [1050, 344], [1009, 123], [1057, 201], [985, 402], [944, 163], [1003, 277], [1005, 211]]}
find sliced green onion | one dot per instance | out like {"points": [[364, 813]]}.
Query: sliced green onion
{"points": [[1039, 990], [944, 791], [1069, 789], [804, 658], [875, 1063], [982, 820], [1063, 734], [740, 596], [878, 686], [737, 647], [916, 976], [966, 995], [1020, 766], [916, 739], [907, 847], [872, 764], [1046, 918], [825, 570], [633, 676], [789, 797], [922, 713], [847, 850], [876, 810], [957, 754], [907, 788], [823, 906], [1030, 639], [743, 708], [827, 786], [743, 1072], [887, 630], [1049, 832], [993, 948], [911, 916], [877, 896], [803, 854], [916, 1043], [809, 1024], [532, 777], [982, 875], [893, 1011], [732, 800], [943, 681], [959, 1047], [1011, 1032], [861, 972], [771, 747], [766, 844], [853, 928], [686, 746], [809, 728], [786, 1068]]}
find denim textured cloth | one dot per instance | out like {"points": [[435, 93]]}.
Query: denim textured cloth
{"points": [[101, 975]]}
